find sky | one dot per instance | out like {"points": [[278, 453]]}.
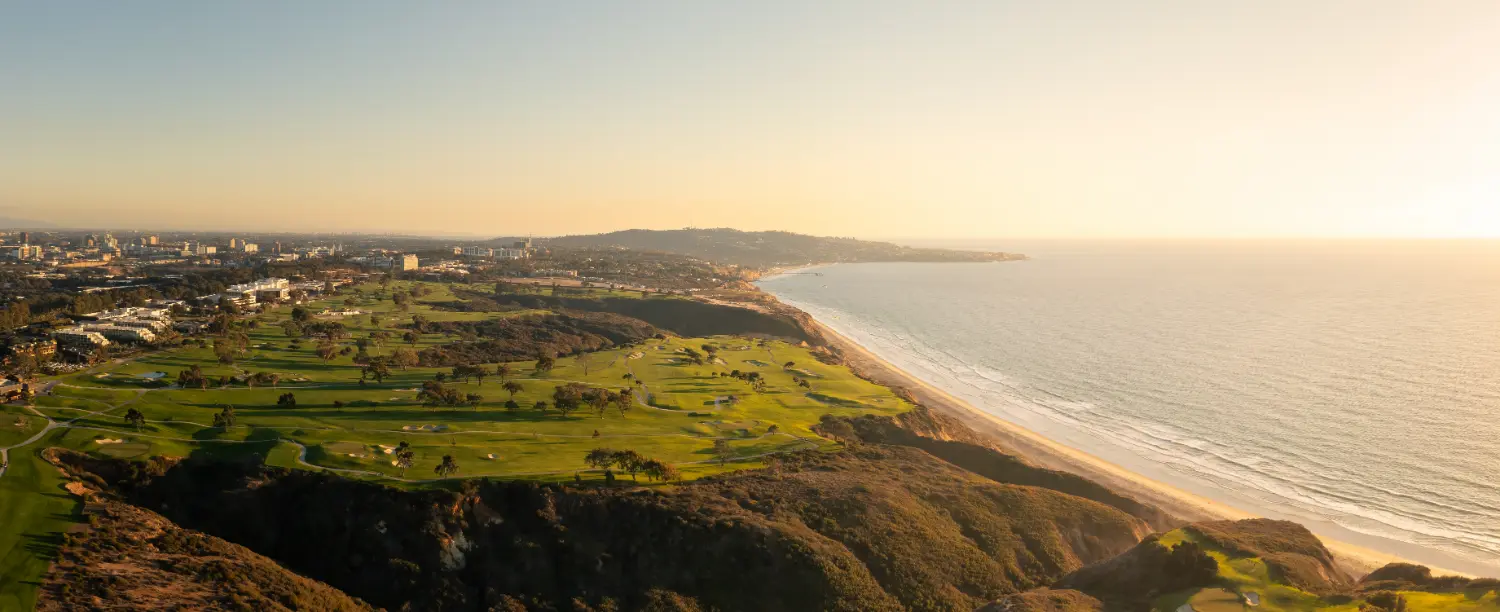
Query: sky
{"points": [[870, 118]]}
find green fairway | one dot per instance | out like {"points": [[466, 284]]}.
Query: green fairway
{"points": [[680, 411], [35, 512]]}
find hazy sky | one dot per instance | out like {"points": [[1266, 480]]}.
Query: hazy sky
{"points": [[867, 118]]}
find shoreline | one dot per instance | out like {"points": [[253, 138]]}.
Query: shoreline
{"points": [[1044, 452]]}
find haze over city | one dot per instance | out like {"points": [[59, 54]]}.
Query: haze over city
{"points": [[1008, 119]]}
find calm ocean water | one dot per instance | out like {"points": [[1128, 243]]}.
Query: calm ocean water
{"points": [[1352, 386]]}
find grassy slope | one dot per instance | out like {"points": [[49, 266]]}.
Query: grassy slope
{"points": [[1250, 574], [34, 513], [526, 443]]}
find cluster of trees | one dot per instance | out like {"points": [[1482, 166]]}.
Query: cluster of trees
{"points": [[522, 338], [573, 396], [192, 377], [757, 382], [434, 393], [286, 399], [225, 418], [16, 315], [631, 463]]}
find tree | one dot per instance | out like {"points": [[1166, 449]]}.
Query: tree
{"points": [[479, 372], [540, 406], [512, 387], [327, 351], [225, 418], [773, 429], [660, 470], [404, 457], [411, 337], [300, 314], [568, 397], [287, 399], [598, 399], [447, 468], [378, 370], [224, 350], [134, 417], [503, 372], [788, 365], [192, 377], [722, 451], [338, 404], [624, 400], [474, 400], [600, 458], [404, 358], [584, 361], [292, 329], [544, 364], [512, 406], [630, 461]]}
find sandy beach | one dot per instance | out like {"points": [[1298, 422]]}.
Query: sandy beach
{"points": [[1044, 452]]}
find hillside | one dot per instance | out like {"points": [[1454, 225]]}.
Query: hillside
{"points": [[879, 528], [766, 249], [133, 559]]}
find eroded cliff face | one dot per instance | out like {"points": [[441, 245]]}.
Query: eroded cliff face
{"points": [[875, 528]]}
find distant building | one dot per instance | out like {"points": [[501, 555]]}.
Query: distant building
{"points": [[249, 247], [25, 237], [512, 254], [120, 333], [78, 338], [408, 262], [234, 243], [478, 251]]}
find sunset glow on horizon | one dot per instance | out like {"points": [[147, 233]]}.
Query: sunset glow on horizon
{"points": [[873, 119]]}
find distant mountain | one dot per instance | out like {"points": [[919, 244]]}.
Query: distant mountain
{"points": [[767, 249]]}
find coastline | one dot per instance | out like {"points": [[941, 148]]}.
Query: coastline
{"points": [[1044, 452]]}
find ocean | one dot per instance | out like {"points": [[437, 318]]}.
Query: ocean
{"points": [[1353, 386]]}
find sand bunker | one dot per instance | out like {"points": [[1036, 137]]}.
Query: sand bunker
{"points": [[424, 428], [108, 441], [490, 456], [1252, 598], [389, 450]]}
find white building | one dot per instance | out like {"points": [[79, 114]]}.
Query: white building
{"points": [[512, 253]]}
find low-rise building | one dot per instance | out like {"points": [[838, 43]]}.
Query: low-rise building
{"points": [[78, 338], [408, 262], [121, 333]]}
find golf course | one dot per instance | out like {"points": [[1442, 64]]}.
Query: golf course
{"points": [[702, 405]]}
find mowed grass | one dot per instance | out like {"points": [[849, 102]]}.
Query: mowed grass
{"points": [[35, 513], [339, 424], [335, 416], [1250, 574]]}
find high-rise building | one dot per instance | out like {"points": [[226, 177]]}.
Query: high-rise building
{"points": [[234, 243], [408, 262], [25, 237]]}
